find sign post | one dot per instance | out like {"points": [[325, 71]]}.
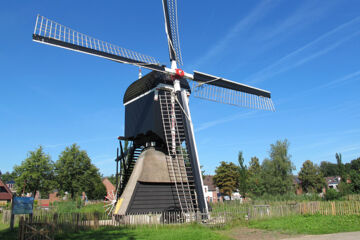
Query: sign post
{"points": [[21, 205]]}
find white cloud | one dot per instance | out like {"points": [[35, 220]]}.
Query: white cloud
{"points": [[283, 64], [255, 15]]}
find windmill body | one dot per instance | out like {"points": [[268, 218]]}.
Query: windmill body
{"points": [[159, 179], [160, 170]]}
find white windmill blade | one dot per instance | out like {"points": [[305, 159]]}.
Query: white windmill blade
{"points": [[229, 92], [172, 31], [52, 33]]}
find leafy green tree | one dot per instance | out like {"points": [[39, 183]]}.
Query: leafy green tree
{"points": [[254, 177], [7, 176], [355, 164], [311, 178], [328, 169], [226, 178], [340, 167], [243, 176], [36, 173], [355, 180], [76, 174], [277, 171]]}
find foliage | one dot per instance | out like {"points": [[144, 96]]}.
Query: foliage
{"points": [[355, 180], [277, 171], [243, 175], [202, 172], [331, 194], [35, 173], [76, 174], [71, 206], [340, 167], [328, 169], [344, 188], [7, 176], [255, 184], [226, 177], [188, 232], [311, 178], [310, 224], [290, 196]]}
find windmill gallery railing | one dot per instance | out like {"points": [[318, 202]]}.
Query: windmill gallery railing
{"points": [[48, 29]]}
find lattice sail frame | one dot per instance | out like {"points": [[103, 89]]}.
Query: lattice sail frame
{"points": [[47, 28], [172, 9], [231, 97]]}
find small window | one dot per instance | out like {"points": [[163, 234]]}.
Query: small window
{"points": [[2, 189]]}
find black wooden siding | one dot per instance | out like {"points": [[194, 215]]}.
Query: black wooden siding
{"points": [[153, 197]]}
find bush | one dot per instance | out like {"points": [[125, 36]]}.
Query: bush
{"points": [[332, 194], [345, 189]]}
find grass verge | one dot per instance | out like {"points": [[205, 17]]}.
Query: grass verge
{"points": [[309, 224], [186, 232]]}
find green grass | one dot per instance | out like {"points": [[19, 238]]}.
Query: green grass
{"points": [[310, 224], [186, 232], [98, 207], [74, 207], [5, 233]]}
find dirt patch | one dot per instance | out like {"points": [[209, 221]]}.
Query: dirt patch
{"points": [[241, 233]]}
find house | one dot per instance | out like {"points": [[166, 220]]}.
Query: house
{"points": [[5, 194], [110, 188], [11, 186], [210, 190], [333, 182]]}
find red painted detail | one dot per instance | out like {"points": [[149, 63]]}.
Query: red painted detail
{"points": [[179, 73]]}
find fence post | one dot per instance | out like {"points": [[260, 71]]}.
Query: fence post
{"points": [[55, 222], [96, 220], [21, 232], [77, 218]]}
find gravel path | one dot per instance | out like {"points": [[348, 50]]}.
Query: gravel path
{"points": [[334, 236]]}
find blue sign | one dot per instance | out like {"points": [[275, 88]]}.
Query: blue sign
{"points": [[23, 205]]}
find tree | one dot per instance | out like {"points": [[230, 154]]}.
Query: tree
{"points": [[226, 178], [254, 177], [76, 174], [311, 178], [340, 167], [355, 180], [328, 169], [277, 171], [243, 176], [354, 175], [36, 173], [7, 176], [202, 172]]}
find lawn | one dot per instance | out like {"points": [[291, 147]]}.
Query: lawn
{"points": [[186, 232], [310, 224]]}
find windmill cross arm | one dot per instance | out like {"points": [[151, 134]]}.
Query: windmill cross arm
{"points": [[49, 32], [204, 78]]}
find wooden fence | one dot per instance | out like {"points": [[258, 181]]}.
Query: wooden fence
{"points": [[44, 224]]}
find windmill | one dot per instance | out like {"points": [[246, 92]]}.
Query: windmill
{"points": [[159, 170]]}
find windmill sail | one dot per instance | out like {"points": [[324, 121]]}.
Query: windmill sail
{"points": [[52, 33], [225, 91], [171, 29]]}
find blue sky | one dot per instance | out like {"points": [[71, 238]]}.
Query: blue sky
{"points": [[307, 53]]}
